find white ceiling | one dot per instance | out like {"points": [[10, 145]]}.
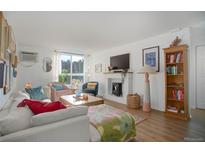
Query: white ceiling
{"points": [[93, 31]]}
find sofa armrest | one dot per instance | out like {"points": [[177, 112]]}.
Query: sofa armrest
{"points": [[65, 87], [64, 92]]}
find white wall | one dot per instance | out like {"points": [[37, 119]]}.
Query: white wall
{"points": [[135, 49], [35, 73]]}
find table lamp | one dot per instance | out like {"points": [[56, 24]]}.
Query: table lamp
{"points": [[146, 100], [28, 85]]}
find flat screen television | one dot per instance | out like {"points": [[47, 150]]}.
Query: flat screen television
{"points": [[120, 62]]}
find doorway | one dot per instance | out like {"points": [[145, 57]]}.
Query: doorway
{"points": [[200, 77]]}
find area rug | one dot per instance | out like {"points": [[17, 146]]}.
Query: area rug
{"points": [[138, 119], [100, 111]]}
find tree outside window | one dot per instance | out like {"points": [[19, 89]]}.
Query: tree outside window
{"points": [[72, 69]]}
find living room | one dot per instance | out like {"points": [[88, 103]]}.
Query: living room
{"points": [[102, 76]]}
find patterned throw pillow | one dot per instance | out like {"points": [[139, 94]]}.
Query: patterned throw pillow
{"points": [[36, 93], [91, 86]]}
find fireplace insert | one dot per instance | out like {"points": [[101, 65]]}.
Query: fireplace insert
{"points": [[117, 89]]}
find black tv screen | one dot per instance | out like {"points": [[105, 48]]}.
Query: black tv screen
{"points": [[120, 61]]}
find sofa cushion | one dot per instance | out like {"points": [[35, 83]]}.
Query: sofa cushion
{"points": [[38, 107], [36, 93], [58, 87], [49, 117], [16, 120], [4, 113], [89, 90]]}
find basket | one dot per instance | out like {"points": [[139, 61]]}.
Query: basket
{"points": [[133, 101]]}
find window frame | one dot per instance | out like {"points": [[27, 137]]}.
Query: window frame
{"points": [[71, 74]]}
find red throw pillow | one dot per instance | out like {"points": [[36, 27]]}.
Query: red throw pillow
{"points": [[40, 107]]}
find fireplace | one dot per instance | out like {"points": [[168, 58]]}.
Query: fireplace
{"points": [[117, 89]]}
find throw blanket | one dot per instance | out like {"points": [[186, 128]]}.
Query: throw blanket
{"points": [[112, 124]]}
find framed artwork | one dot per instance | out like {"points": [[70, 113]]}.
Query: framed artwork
{"points": [[2, 67], [98, 68], [7, 74], [150, 56]]}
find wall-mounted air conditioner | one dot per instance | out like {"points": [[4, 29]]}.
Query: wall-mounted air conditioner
{"points": [[28, 59], [31, 57]]}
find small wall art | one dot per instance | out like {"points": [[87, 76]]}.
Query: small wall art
{"points": [[47, 64], [98, 68]]}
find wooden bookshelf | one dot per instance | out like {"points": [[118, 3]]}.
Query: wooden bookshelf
{"points": [[176, 82]]}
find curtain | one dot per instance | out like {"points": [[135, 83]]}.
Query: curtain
{"points": [[56, 66]]}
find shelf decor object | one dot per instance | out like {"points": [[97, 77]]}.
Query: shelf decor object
{"points": [[146, 100], [176, 81]]}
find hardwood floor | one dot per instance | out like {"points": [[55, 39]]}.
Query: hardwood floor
{"points": [[157, 127]]}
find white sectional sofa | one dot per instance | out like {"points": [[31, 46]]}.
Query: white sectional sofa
{"points": [[19, 124]]}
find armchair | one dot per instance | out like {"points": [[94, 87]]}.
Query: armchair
{"points": [[56, 94], [90, 87]]}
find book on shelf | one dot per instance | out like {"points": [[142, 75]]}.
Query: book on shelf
{"points": [[172, 109], [178, 58], [178, 94], [172, 70], [175, 58], [172, 58], [182, 111]]}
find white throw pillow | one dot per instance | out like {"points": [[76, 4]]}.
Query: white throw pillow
{"points": [[8, 103], [23, 94], [15, 103], [16, 120], [50, 117], [18, 99]]}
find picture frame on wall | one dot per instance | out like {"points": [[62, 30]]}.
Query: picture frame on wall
{"points": [[2, 67], [7, 74], [98, 68], [150, 56]]}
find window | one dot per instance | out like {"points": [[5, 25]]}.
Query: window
{"points": [[72, 68]]}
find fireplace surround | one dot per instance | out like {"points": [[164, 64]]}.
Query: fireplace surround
{"points": [[126, 86]]}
